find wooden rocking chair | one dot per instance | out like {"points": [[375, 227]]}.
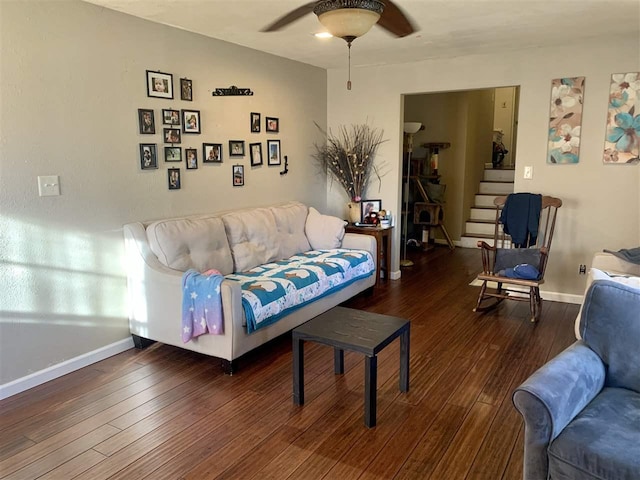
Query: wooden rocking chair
{"points": [[499, 260]]}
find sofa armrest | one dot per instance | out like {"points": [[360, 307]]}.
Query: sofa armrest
{"points": [[360, 242], [550, 398]]}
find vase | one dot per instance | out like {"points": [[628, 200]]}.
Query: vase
{"points": [[354, 211]]}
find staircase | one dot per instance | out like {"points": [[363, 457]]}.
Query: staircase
{"points": [[480, 225]]}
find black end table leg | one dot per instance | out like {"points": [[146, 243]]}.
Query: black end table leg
{"points": [[298, 371], [338, 361], [370, 390], [404, 360]]}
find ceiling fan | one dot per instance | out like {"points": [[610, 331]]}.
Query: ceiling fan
{"points": [[350, 19]]}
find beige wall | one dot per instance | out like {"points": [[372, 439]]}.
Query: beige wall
{"points": [[72, 78], [601, 207]]}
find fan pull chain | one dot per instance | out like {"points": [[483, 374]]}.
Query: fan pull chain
{"points": [[349, 80]]}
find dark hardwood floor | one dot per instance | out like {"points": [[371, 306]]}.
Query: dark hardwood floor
{"points": [[165, 413]]}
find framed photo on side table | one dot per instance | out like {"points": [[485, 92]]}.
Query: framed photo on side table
{"points": [[368, 206], [146, 121], [211, 153], [148, 156], [159, 84], [273, 150], [191, 121]]}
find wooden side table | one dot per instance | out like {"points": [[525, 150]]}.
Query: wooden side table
{"points": [[383, 254]]}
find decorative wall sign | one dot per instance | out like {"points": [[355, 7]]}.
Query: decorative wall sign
{"points": [[231, 91], [622, 141], [565, 120]]}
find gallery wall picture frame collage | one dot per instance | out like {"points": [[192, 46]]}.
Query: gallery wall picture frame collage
{"points": [[178, 124]]}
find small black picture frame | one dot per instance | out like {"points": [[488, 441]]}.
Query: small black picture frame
{"points": [[255, 122], [146, 121], [211, 153], [273, 152], [368, 206], [191, 121], [186, 89], [255, 151], [236, 148], [191, 157], [148, 156], [170, 117], [172, 154], [272, 124], [238, 175], [172, 135], [159, 84], [173, 178]]}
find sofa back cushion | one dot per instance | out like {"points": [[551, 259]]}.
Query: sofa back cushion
{"points": [[253, 237], [197, 242], [324, 231], [290, 220]]}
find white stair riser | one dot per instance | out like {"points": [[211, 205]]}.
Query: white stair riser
{"points": [[483, 214], [499, 175], [480, 228], [472, 242], [485, 200], [497, 188]]}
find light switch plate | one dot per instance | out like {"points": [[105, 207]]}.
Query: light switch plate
{"points": [[528, 172], [49, 185]]}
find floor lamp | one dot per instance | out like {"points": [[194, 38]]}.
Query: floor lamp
{"points": [[409, 128]]}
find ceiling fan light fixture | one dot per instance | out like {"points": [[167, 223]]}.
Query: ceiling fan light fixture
{"points": [[348, 19]]}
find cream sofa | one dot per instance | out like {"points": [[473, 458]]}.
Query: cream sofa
{"points": [[159, 252]]}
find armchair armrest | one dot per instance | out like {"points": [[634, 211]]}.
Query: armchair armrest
{"points": [[550, 398]]}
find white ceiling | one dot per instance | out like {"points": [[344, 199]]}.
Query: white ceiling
{"points": [[446, 28]]}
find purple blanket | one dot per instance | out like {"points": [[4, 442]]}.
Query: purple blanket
{"points": [[201, 304]]}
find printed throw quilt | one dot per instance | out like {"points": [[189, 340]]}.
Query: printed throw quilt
{"points": [[273, 290]]}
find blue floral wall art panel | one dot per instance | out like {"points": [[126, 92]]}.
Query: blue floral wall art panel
{"points": [[621, 144], [565, 120]]}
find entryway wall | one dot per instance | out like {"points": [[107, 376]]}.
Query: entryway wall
{"points": [[465, 119]]}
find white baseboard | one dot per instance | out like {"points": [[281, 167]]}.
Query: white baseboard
{"points": [[551, 296], [68, 366]]}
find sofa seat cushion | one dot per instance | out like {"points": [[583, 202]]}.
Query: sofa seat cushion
{"points": [[252, 236], [602, 441], [273, 290], [290, 220], [199, 243]]}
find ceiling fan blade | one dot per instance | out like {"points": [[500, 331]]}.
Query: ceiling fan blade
{"points": [[290, 17], [395, 21]]}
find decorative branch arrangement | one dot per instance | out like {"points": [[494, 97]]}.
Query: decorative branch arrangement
{"points": [[349, 157]]}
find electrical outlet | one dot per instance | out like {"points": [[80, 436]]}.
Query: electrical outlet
{"points": [[528, 172], [583, 269]]}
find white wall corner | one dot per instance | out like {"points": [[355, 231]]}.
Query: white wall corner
{"points": [[50, 373]]}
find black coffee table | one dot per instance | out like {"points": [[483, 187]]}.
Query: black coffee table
{"points": [[357, 331]]}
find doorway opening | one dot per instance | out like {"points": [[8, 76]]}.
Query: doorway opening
{"points": [[455, 151]]}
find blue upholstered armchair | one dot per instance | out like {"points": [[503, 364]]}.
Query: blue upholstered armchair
{"points": [[582, 409]]}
